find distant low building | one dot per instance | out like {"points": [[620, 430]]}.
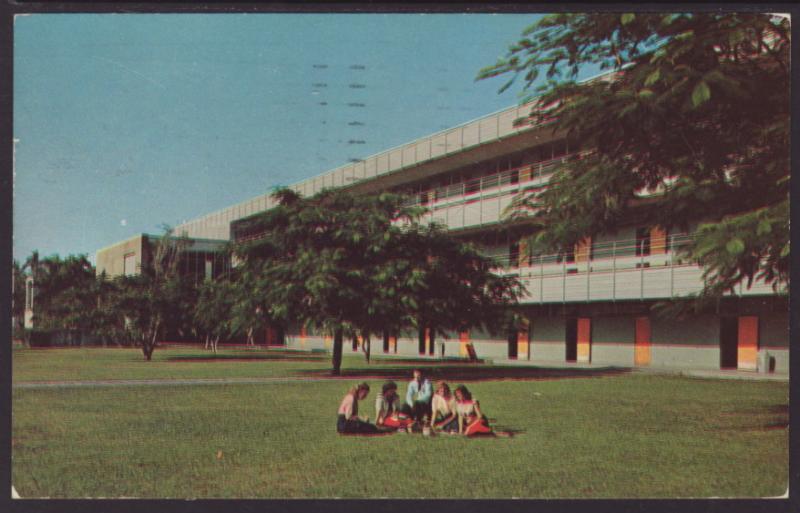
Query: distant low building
{"points": [[202, 258]]}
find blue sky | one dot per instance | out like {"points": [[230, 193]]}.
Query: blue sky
{"points": [[125, 122]]}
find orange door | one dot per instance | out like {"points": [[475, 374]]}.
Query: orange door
{"points": [[641, 344], [523, 252], [583, 250], [427, 341], [747, 343], [658, 240], [523, 342], [463, 340], [584, 339]]}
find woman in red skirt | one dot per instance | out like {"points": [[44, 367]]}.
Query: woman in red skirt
{"points": [[471, 421]]}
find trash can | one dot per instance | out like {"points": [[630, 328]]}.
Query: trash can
{"points": [[766, 363]]}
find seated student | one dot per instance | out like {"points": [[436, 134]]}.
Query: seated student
{"points": [[348, 420], [387, 414], [418, 397], [443, 410], [471, 421]]}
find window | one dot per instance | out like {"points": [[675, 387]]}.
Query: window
{"points": [[567, 256], [559, 149], [472, 185], [513, 254], [642, 241], [29, 293], [209, 274], [129, 264]]}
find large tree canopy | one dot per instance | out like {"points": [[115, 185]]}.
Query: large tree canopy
{"points": [[692, 125], [157, 299], [354, 265], [65, 291]]}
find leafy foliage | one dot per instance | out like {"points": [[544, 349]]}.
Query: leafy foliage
{"points": [[64, 292], [692, 125], [353, 265], [157, 299], [213, 313], [17, 297]]}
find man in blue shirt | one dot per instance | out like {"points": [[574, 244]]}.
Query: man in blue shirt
{"points": [[418, 397]]}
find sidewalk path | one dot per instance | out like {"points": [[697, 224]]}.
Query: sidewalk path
{"points": [[694, 373]]}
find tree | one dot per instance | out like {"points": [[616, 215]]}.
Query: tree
{"points": [[108, 320], [69, 299], [17, 298], [158, 299], [693, 123], [313, 263], [65, 292], [213, 312], [360, 265], [448, 285]]}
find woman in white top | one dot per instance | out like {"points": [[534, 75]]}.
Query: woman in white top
{"points": [[443, 407], [348, 420], [471, 421]]}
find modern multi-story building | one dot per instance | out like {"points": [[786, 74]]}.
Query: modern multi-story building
{"points": [[592, 304]]}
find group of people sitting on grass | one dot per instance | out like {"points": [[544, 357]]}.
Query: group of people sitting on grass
{"points": [[423, 410]]}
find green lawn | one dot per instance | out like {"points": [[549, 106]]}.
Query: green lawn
{"points": [[173, 363], [615, 435]]}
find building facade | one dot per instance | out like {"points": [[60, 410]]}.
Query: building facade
{"points": [[200, 259], [589, 305]]}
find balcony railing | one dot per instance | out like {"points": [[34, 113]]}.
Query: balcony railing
{"points": [[618, 270], [537, 171], [602, 255]]}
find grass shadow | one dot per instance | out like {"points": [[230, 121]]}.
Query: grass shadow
{"points": [[471, 372], [244, 357], [777, 417]]}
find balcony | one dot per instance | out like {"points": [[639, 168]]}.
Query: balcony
{"points": [[483, 200], [616, 271]]}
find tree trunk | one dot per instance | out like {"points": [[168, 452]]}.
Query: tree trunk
{"points": [[147, 350], [215, 344], [338, 337], [421, 336], [149, 342], [367, 345], [355, 343], [385, 341], [431, 343]]}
